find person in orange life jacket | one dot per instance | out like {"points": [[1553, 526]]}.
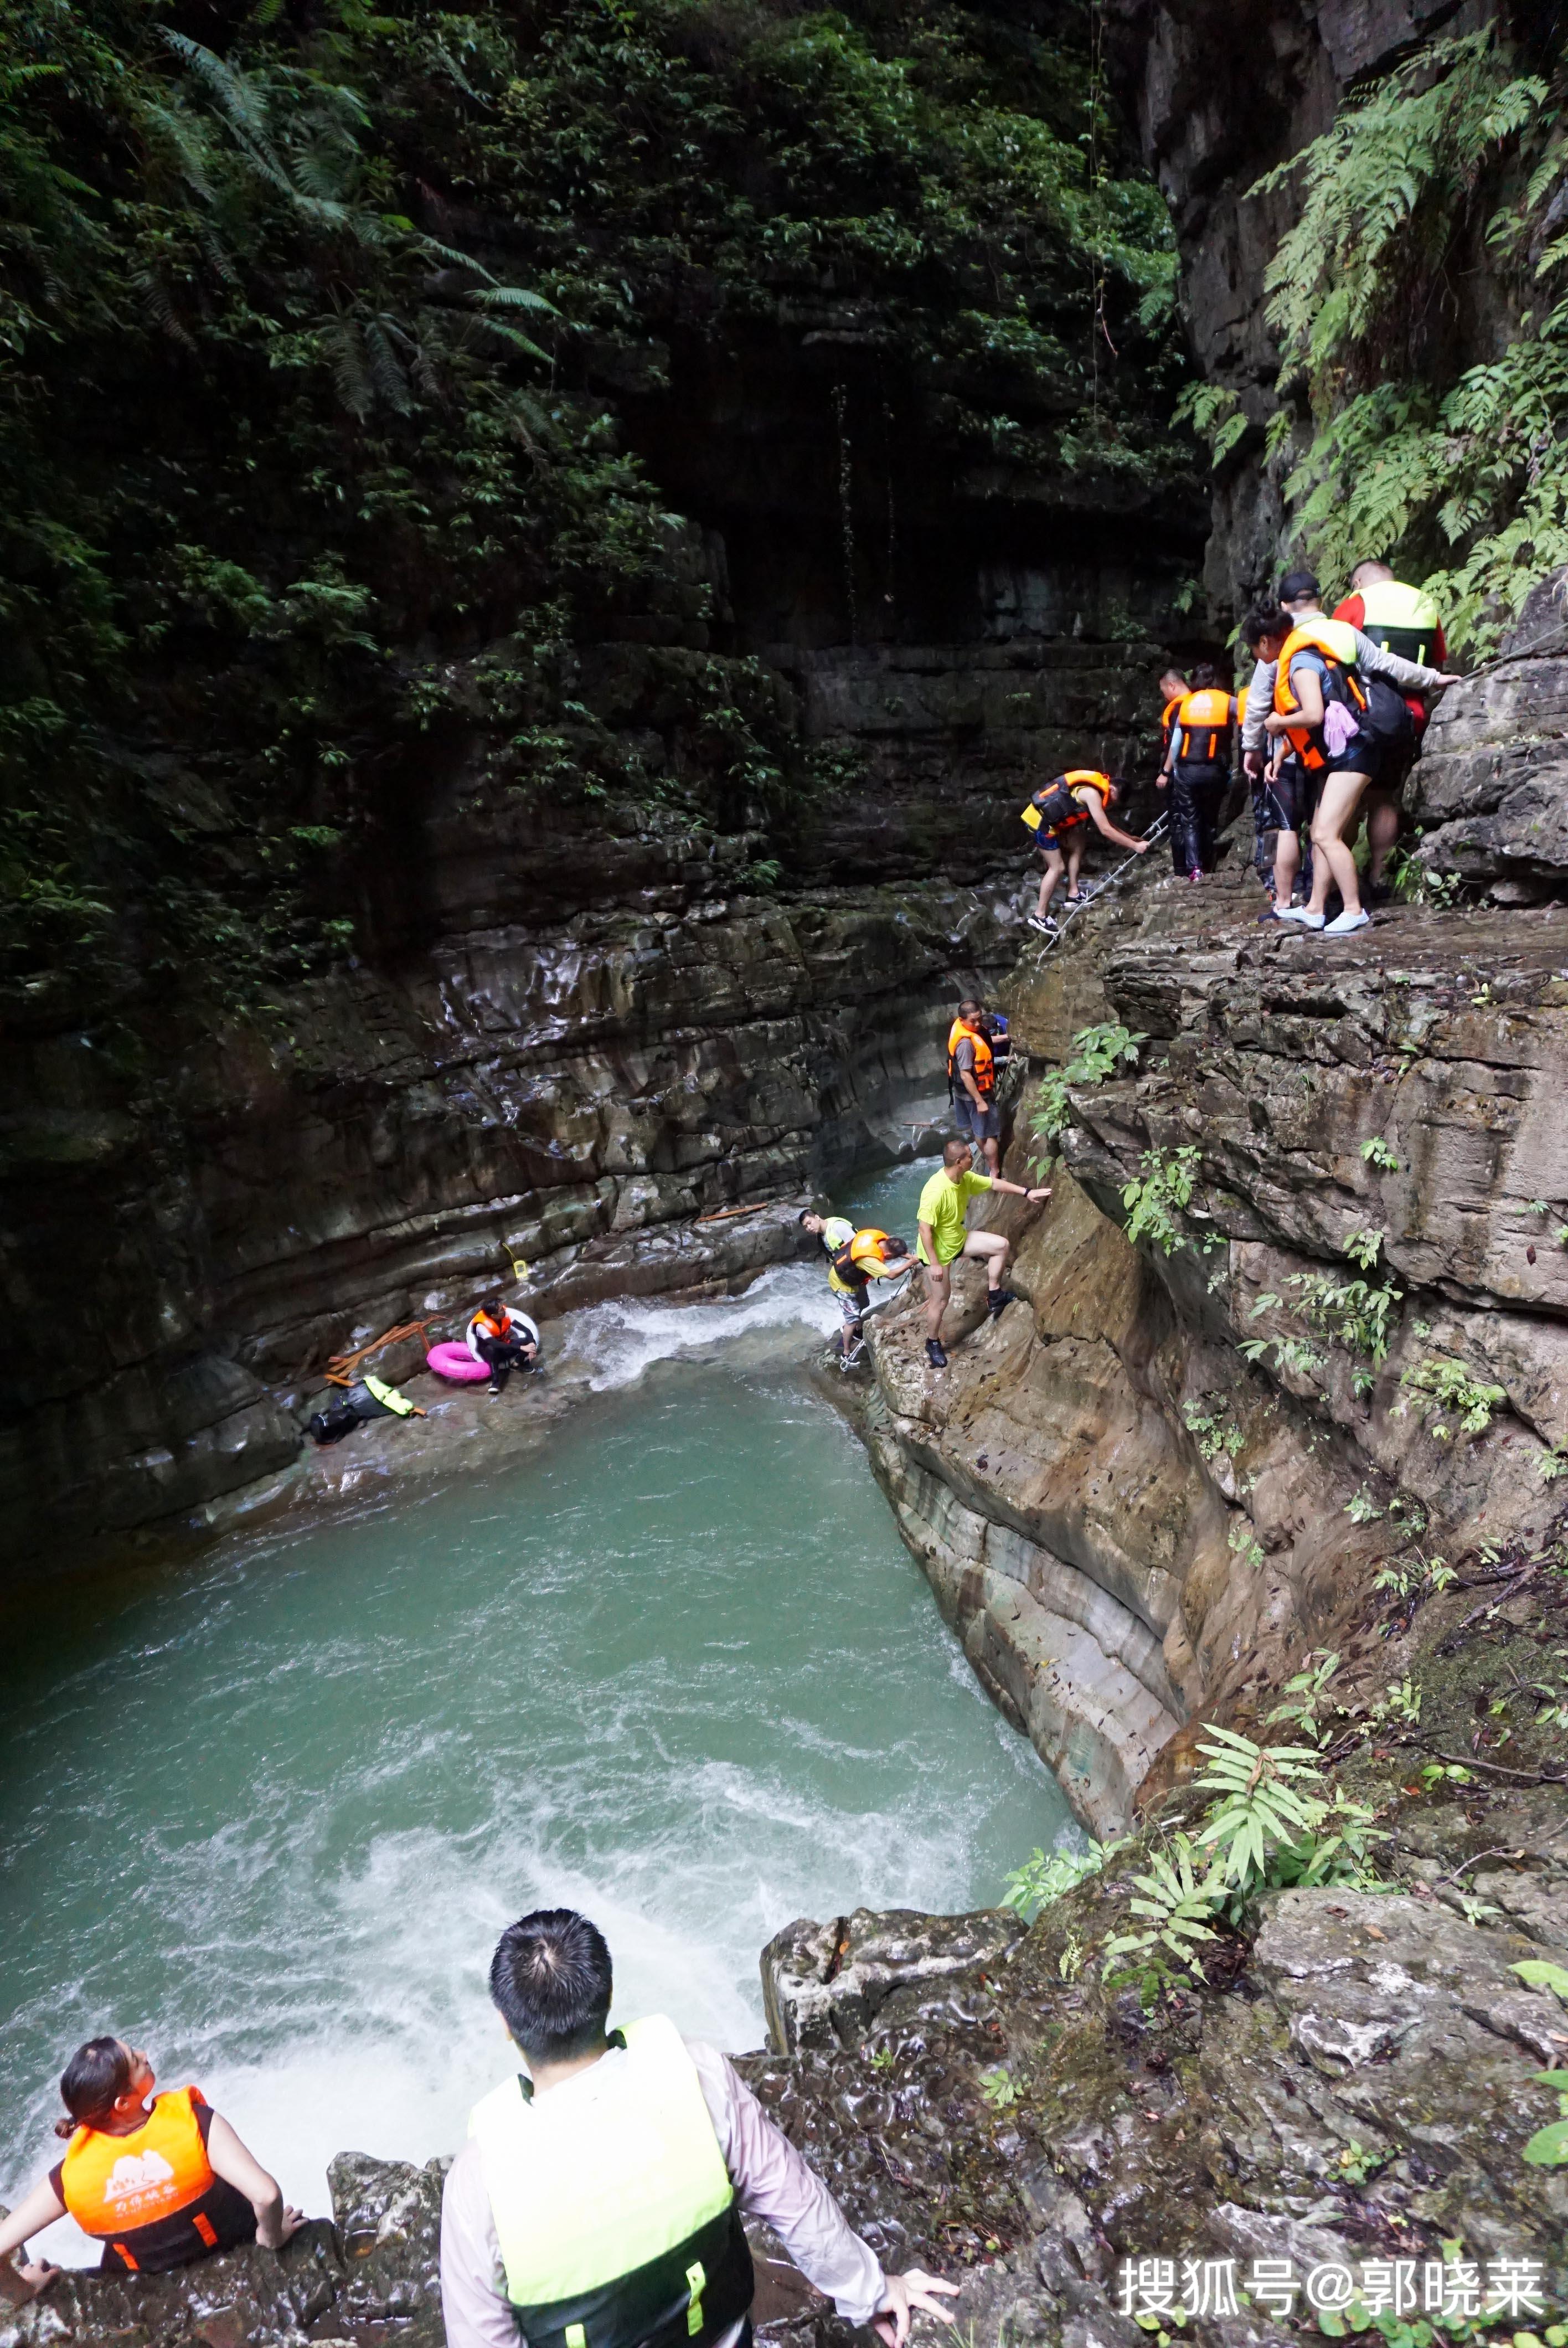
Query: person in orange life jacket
{"points": [[1283, 794], [1402, 620], [1197, 769], [854, 1259], [597, 2203], [944, 1237], [159, 2182], [1324, 662], [502, 1343], [972, 1081], [1172, 686], [1060, 816]]}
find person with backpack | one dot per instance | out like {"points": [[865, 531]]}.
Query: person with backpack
{"points": [[1060, 816], [1196, 769], [854, 1259], [1336, 705], [1402, 620]]}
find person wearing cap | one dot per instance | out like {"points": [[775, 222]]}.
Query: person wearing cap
{"points": [[1323, 659], [1297, 788], [1402, 620]]}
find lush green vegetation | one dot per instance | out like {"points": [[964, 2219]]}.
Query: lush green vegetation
{"points": [[1432, 225], [312, 472]]}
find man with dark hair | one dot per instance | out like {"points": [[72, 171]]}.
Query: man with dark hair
{"points": [[597, 2202], [972, 1081], [1196, 768]]}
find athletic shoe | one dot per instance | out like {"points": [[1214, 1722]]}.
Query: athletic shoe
{"points": [[1302, 913], [1346, 923], [1378, 893], [1042, 921], [492, 1390], [1198, 873], [999, 1299], [934, 1354]]}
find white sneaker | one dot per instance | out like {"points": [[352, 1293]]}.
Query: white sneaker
{"points": [[1346, 922], [1302, 913]]}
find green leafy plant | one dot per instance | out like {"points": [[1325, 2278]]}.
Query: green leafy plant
{"points": [[1164, 1185], [1179, 1905], [1098, 1053], [1214, 1432], [1548, 2147], [999, 2087], [1379, 1153], [1304, 1697], [1400, 1700], [1040, 1881], [1443, 1385], [1354, 2165]]}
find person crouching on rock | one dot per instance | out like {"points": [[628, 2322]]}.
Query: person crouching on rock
{"points": [[944, 1237], [502, 1341], [158, 2182], [854, 1259]]}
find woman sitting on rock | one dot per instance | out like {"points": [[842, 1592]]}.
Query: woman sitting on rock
{"points": [[158, 2183]]}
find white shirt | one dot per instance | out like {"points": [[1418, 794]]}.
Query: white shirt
{"points": [[772, 2183]]}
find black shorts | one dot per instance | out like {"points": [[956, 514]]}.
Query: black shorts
{"points": [[1289, 802]]}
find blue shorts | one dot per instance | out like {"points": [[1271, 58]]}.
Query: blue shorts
{"points": [[981, 1124]]}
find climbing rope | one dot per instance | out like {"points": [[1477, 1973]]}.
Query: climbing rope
{"points": [[1157, 831]]}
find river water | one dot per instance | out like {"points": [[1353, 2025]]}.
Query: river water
{"points": [[266, 1812]]}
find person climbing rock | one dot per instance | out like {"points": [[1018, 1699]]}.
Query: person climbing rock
{"points": [[1197, 770], [1283, 794], [503, 1341], [944, 1237], [1172, 686], [854, 1259], [159, 2180], [1402, 620], [597, 2202], [1060, 816], [972, 1080], [1336, 705]]}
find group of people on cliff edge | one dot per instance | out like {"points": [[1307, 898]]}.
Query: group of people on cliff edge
{"points": [[979, 1048], [597, 2202], [1329, 727]]}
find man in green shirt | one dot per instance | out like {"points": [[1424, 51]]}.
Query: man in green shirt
{"points": [[944, 1237]]}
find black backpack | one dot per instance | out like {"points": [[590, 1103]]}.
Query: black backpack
{"points": [[1387, 718], [338, 1419]]}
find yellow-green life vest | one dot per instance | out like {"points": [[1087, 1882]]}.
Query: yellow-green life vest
{"points": [[1403, 620], [613, 2209], [388, 1396]]}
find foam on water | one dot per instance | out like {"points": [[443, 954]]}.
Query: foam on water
{"points": [[267, 1814]]}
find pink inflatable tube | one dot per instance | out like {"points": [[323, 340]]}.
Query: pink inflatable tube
{"points": [[456, 1362]]}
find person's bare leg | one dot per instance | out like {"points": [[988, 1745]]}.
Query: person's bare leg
{"points": [[1287, 865], [994, 1249], [937, 1284], [1332, 862], [1074, 858], [993, 1149], [1382, 834], [1055, 868]]}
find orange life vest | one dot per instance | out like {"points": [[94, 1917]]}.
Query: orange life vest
{"points": [[985, 1058], [146, 2194], [1055, 808], [1334, 641], [488, 1326], [1203, 727], [848, 1261]]}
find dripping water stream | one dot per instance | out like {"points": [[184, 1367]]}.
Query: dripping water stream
{"points": [[265, 1814]]}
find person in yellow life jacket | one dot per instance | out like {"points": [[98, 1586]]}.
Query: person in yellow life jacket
{"points": [[159, 2180], [1338, 704], [972, 1080], [503, 1341], [1197, 770], [1405, 621], [854, 1259], [598, 2200], [1060, 816]]}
